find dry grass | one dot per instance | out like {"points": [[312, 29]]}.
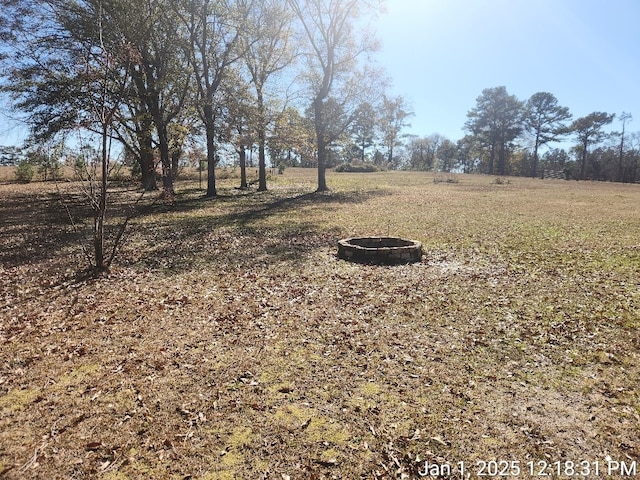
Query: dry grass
{"points": [[229, 342], [7, 174]]}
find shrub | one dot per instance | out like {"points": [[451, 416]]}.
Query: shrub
{"points": [[445, 178], [361, 168], [24, 172], [501, 181], [51, 170]]}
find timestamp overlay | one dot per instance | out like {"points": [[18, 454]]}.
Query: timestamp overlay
{"points": [[532, 469]]}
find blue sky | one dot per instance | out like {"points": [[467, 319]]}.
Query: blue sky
{"points": [[11, 132], [441, 54]]}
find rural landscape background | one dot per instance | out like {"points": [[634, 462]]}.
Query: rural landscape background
{"points": [[229, 341], [316, 83], [172, 305]]}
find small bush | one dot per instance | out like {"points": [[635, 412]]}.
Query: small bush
{"points": [[501, 181], [448, 178], [24, 172], [361, 168], [51, 170]]}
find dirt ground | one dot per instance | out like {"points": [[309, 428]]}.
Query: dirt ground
{"points": [[229, 341]]}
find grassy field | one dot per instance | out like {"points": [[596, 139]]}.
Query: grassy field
{"points": [[7, 173], [229, 342]]}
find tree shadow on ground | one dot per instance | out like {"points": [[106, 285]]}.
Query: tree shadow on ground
{"points": [[32, 228], [243, 235], [37, 228], [41, 254]]}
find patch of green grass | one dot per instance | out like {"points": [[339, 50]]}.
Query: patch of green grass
{"points": [[17, 399]]}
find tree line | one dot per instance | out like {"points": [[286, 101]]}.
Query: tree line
{"points": [[287, 79], [506, 137], [163, 76]]}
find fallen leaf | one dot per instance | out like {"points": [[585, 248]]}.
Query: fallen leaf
{"points": [[93, 446]]}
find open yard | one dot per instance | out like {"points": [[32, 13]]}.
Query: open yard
{"points": [[229, 342]]}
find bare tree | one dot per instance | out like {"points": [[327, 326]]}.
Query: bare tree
{"points": [[49, 84], [239, 120], [214, 30], [163, 83], [394, 116], [268, 50], [624, 118], [332, 75]]}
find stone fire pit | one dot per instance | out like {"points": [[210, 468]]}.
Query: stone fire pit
{"points": [[381, 250]]}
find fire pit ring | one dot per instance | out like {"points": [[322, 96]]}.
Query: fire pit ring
{"points": [[380, 250]]}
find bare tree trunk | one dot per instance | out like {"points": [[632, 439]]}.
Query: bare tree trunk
{"points": [[492, 156], [621, 153], [147, 162], [100, 212], [175, 163], [242, 152], [583, 160], [148, 167], [211, 151], [262, 162], [167, 179], [322, 162], [322, 146], [502, 160], [534, 165]]}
